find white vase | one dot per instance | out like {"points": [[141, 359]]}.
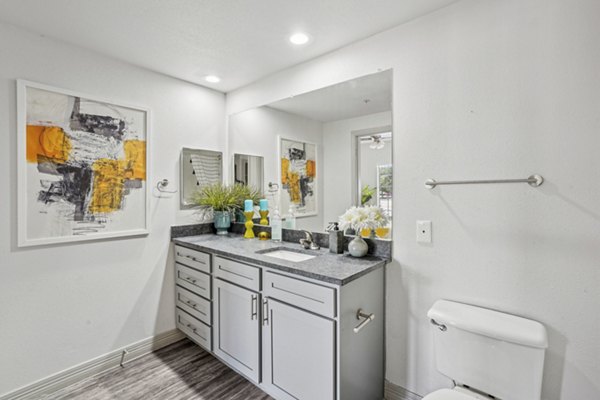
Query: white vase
{"points": [[358, 247]]}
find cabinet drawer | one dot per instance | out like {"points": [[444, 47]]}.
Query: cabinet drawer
{"points": [[196, 281], [193, 258], [238, 273], [306, 295], [195, 305], [194, 329]]}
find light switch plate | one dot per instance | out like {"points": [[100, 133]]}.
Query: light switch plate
{"points": [[423, 231]]}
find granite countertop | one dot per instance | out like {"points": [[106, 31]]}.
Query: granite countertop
{"points": [[338, 269]]}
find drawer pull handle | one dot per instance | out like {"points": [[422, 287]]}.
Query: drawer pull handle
{"points": [[265, 312], [367, 318], [190, 257], [195, 259], [253, 307], [191, 304], [192, 327], [190, 279]]}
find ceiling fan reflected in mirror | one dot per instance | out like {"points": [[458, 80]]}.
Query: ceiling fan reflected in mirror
{"points": [[376, 142]]}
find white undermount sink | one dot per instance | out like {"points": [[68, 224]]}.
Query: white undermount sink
{"points": [[289, 255]]}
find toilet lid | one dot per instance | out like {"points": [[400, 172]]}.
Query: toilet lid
{"points": [[448, 394]]}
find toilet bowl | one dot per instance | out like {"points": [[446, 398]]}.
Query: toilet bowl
{"points": [[482, 349]]}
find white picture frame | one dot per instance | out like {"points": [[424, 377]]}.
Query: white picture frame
{"points": [[284, 196], [132, 221]]}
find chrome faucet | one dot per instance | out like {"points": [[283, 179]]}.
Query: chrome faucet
{"points": [[308, 242]]}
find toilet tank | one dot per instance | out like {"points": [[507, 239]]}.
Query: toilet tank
{"points": [[496, 353]]}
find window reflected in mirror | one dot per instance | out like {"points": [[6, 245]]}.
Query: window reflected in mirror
{"points": [[373, 167]]}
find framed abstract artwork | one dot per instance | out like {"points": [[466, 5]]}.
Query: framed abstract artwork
{"points": [[81, 167], [298, 176]]}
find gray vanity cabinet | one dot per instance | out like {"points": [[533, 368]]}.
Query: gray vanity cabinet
{"points": [[298, 353], [296, 337]]}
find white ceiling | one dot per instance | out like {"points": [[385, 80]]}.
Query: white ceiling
{"points": [[238, 40], [362, 96]]}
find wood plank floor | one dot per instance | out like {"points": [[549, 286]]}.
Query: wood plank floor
{"points": [[180, 371]]}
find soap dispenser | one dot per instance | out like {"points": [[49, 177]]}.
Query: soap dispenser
{"points": [[290, 219], [336, 238], [276, 226]]}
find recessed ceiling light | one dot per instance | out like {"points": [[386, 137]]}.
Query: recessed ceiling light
{"points": [[212, 79], [299, 38]]}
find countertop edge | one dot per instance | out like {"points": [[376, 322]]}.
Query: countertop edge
{"points": [[274, 265]]}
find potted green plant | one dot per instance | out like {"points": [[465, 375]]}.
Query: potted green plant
{"points": [[222, 199], [366, 194], [242, 193]]}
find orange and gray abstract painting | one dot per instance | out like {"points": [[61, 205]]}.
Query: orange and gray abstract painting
{"points": [[86, 166], [298, 176]]}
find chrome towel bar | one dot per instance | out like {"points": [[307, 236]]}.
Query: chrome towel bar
{"points": [[533, 180], [367, 318]]}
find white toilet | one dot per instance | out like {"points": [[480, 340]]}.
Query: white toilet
{"points": [[488, 354]]}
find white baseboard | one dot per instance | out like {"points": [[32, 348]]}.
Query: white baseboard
{"points": [[69, 376], [395, 392]]}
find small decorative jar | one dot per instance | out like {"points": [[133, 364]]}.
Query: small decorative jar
{"points": [[358, 247]]}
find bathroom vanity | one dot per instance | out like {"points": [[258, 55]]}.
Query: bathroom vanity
{"points": [[304, 325]]}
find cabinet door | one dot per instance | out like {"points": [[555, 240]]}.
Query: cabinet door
{"points": [[236, 328], [299, 353]]}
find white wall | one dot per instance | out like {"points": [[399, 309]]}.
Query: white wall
{"points": [[65, 304], [487, 89], [255, 132], [337, 156]]}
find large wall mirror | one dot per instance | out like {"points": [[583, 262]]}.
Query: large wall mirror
{"points": [[326, 150]]}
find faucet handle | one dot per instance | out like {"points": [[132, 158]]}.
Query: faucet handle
{"points": [[309, 236], [308, 242]]}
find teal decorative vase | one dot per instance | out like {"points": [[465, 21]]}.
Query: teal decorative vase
{"points": [[222, 220], [240, 217]]}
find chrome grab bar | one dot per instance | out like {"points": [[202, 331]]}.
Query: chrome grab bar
{"points": [[533, 180], [367, 318]]}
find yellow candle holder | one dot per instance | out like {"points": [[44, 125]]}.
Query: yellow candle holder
{"points": [[249, 234], [263, 217]]}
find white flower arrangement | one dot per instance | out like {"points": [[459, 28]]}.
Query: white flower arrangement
{"points": [[366, 217]]}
